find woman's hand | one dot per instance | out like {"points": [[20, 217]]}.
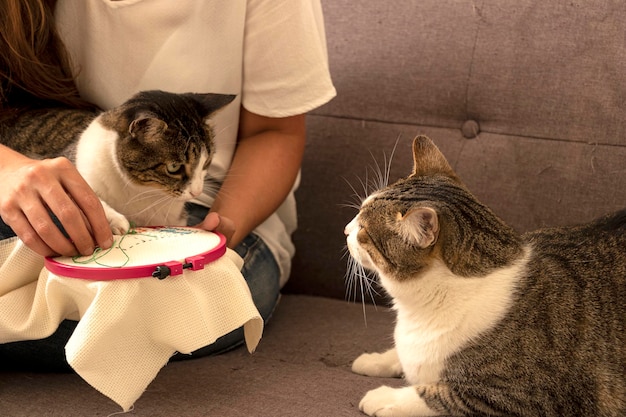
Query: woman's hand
{"points": [[213, 222], [31, 189]]}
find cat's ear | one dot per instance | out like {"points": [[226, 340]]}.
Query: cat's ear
{"points": [[428, 159], [213, 102], [419, 226], [145, 129]]}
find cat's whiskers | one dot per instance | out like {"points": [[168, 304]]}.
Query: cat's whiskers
{"points": [[155, 198], [379, 179], [357, 277], [228, 126], [376, 178], [382, 174], [357, 199], [169, 202], [190, 138], [128, 183], [144, 195], [156, 203], [387, 164], [170, 206], [214, 186]]}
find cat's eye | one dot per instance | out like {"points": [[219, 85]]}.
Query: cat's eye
{"points": [[174, 168]]}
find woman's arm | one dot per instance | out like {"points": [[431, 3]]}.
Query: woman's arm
{"points": [[264, 168], [29, 189]]}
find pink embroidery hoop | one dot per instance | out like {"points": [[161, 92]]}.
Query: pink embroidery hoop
{"points": [[148, 252]]}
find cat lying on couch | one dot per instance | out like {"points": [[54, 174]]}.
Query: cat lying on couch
{"points": [[491, 323]]}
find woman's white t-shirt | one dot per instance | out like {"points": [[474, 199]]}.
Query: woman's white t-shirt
{"points": [[270, 53]]}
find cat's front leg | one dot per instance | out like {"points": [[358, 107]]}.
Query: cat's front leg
{"points": [[118, 222], [397, 402], [386, 364]]}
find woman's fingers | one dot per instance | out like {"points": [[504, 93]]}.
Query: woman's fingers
{"points": [[70, 217], [215, 223], [55, 186], [44, 193], [24, 230], [24, 210], [82, 216]]}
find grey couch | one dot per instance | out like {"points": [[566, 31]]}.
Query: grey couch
{"points": [[527, 100]]}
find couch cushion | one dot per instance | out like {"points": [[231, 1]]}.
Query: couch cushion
{"points": [[547, 69]]}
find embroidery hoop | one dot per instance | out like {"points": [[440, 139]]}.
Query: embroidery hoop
{"points": [[147, 252]]}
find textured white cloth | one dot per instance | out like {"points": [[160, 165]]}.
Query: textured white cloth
{"points": [[128, 329]]}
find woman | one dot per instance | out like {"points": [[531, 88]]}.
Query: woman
{"points": [[271, 53]]}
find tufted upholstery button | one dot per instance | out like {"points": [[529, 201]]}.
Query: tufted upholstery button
{"points": [[470, 129]]}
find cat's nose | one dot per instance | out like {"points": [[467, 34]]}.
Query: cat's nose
{"points": [[195, 190], [349, 227]]}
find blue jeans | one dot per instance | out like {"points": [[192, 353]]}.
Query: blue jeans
{"points": [[260, 271]]}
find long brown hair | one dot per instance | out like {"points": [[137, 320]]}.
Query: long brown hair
{"points": [[34, 66]]}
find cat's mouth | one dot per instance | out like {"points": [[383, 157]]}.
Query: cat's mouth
{"points": [[358, 253]]}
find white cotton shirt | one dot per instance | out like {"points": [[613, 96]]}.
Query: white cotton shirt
{"points": [[270, 53]]}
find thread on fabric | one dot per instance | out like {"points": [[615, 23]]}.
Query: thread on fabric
{"points": [[99, 253]]}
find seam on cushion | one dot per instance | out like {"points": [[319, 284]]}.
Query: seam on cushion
{"points": [[479, 18]]}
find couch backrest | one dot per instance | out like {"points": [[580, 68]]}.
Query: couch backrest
{"points": [[542, 83]]}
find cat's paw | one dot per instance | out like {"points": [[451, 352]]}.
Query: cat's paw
{"points": [[397, 402], [119, 224], [384, 365]]}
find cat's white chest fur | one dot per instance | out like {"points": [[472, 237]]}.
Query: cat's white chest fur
{"points": [[95, 160], [439, 312]]}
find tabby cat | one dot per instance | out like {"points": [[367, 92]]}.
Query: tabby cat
{"points": [[144, 159], [490, 322]]}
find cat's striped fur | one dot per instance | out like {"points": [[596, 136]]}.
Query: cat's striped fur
{"points": [[491, 323], [144, 159]]}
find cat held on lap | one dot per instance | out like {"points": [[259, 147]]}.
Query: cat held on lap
{"points": [[144, 159]]}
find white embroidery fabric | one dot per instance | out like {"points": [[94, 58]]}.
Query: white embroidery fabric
{"points": [[128, 329]]}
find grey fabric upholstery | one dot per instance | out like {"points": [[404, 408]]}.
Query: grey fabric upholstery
{"points": [[543, 85], [543, 81]]}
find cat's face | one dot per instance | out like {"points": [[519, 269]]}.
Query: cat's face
{"points": [[164, 141], [430, 216], [396, 232], [383, 239]]}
